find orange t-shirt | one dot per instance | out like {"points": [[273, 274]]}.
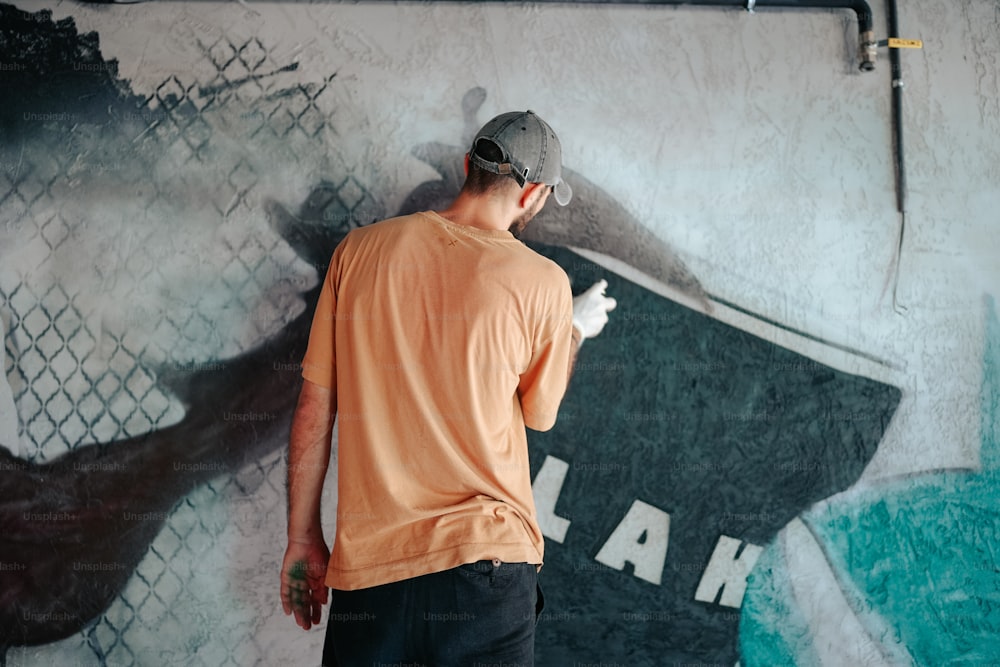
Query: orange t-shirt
{"points": [[442, 342]]}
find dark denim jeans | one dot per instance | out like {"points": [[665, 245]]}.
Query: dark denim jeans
{"points": [[481, 614]]}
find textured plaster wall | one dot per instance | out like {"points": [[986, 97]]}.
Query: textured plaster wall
{"points": [[751, 143]]}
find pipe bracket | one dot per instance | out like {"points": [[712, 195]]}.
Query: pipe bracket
{"points": [[867, 50]]}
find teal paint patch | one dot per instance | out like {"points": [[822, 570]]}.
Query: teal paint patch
{"points": [[922, 553], [919, 556], [772, 630]]}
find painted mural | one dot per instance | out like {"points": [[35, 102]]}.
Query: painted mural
{"points": [[155, 298]]}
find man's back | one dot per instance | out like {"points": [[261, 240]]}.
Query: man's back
{"points": [[448, 340], [437, 338]]}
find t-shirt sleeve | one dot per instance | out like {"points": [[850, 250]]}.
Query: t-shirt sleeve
{"points": [[543, 384], [319, 365]]}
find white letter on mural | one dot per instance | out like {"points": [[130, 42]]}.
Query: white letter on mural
{"points": [[546, 488], [728, 572], [641, 539]]}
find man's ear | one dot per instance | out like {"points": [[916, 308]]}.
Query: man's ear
{"points": [[466, 164], [530, 191]]}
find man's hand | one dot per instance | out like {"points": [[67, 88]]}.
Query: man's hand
{"points": [[302, 573], [590, 309]]}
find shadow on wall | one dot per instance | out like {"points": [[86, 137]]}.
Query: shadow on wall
{"points": [[683, 445]]}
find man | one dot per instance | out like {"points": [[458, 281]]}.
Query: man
{"points": [[437, 338]]}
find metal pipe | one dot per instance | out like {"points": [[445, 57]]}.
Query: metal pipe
{"points": [[897, 108], [866, 29], [866, 35], [860, 7], [897, 134]]}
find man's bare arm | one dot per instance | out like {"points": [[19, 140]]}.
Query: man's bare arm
{"points": [[308, 459], [303, 570]]}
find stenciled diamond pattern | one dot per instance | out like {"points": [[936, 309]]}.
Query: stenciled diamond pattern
{"points": [[80, 377]]}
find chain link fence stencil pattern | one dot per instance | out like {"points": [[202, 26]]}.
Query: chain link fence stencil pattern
{"points": [[167, 263]]}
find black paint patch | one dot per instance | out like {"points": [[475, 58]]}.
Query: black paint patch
{"points": [[54, 78]]}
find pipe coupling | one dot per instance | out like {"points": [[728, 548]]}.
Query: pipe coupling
{"points": [[867, 50]]}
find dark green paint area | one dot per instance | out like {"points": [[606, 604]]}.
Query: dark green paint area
{"points": [[728, 433]]}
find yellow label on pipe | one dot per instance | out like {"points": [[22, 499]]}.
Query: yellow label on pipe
{"points": [[897, 43]]}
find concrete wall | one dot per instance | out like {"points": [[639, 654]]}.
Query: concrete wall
{"points": [[142, 237]]}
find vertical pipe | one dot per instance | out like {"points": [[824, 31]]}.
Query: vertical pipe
{"points": [[897, 110], [897, 132]]}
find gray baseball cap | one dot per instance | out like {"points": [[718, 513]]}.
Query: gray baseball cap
{"points": [[531, 151]]}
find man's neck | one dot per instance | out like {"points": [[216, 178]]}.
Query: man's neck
{"points": [[480, 212]]}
